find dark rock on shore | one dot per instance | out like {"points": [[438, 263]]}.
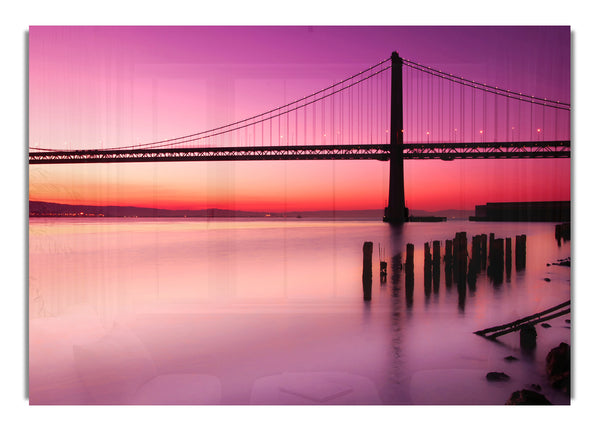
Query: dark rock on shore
{"points": [[546, 325], [496, 376], [558, 367], [527, 397], [535, 387], [510, 358], [547, 279]]}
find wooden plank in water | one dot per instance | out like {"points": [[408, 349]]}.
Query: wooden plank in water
{"points": [[534, 318]]}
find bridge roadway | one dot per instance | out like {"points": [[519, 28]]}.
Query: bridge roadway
{"points": [[423, 151]]}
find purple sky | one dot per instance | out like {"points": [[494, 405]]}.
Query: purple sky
{"points": [[96, 87]]}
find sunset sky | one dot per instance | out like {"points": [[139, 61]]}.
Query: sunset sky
{"points": [[101, 87]]}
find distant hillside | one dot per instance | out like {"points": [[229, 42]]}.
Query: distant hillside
{"points": [[50, 209], [45, 209]]}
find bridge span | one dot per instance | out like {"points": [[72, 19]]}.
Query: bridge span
{"points": [[431, 151]]}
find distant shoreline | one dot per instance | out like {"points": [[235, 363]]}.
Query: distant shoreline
{"points": [[51, 209]]}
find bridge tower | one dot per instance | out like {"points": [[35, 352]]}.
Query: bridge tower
{"points": [[396, 211]]}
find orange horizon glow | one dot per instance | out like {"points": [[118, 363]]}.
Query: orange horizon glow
{"points": [[302, 186]]}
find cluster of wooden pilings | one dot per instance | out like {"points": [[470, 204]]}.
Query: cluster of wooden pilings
{"points": [[459, 267]]}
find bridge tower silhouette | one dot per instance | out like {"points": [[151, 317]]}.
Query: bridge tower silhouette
{"points": [[396, 211]]}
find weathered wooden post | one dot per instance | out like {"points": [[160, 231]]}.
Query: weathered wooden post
{"points": [[562, 232], [427, 268], [508, 256], [528, 337], [436, 265], [448, 261], [474, 262], [483, 251], [520, 252], [460, 256], [475, 253], [491, 241], [367, 275], [436, 255], [496, 268]]}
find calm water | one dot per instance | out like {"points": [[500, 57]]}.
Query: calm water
{"points": [[272, 311]]}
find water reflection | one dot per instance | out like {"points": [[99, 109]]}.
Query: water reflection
{"points": [[246, 300]]}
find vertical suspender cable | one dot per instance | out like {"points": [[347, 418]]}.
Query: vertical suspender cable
{"points": [[532, 124]]}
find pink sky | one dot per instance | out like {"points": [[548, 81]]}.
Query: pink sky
{"points": [[97, 87]]}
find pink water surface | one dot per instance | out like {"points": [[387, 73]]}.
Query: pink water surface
{"points": [[245, 311]]}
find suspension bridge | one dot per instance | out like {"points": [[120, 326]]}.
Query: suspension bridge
{"points": [[393, 111]]}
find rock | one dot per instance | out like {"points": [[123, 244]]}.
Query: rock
{"points": [[535, 387], [496, 376], [527, 397], [510, 358], [547, 279], [546, 325], [568, 320], [558, 367]]}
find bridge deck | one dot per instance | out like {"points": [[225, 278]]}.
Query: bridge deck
{"points": [[443, 151]]}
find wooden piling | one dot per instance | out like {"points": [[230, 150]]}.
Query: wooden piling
{"points": [[508, 256], [448, 262], [483, 251], [436, 254], [367, 275], [448, 252], [410, 256], [427, 260], [520, 252], [527, 336], [474, 264], [562, 232], [436, 265], [460, 256], [427, 269], [475, 261]]}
